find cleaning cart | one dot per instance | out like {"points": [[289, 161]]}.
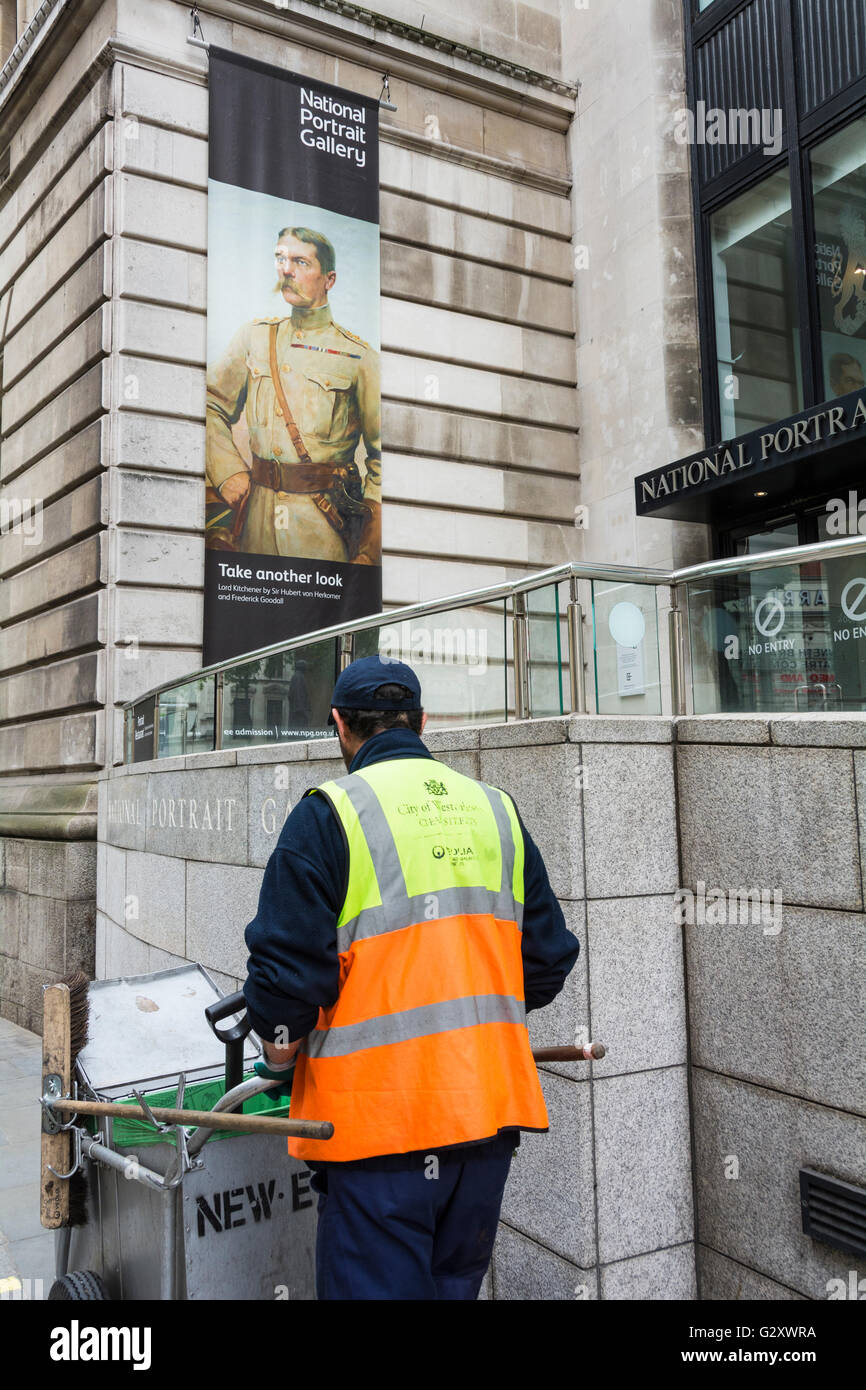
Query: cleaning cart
{"points": [[166, 1207]]}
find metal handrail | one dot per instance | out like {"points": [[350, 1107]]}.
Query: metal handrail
{"points": [[770, 559], [470, 598], [572, 570]]}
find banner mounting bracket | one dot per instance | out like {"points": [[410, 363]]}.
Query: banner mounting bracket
{"points": [[200, 42]]}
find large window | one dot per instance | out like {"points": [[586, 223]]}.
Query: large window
{"points": [[838, 168], [757, 340], [781, 225]]}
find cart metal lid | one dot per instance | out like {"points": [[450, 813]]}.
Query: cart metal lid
{"points": [[144, 1028]]}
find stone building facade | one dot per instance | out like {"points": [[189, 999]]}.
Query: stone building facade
{"points": [[540, 351], [671, 1168], [508, 156], [103, 121]]}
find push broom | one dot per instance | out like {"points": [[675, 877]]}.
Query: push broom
{"points": [[66, 1014]]}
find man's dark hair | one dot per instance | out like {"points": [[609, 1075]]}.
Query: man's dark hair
{"points": [[364, 723], [323, 248]]}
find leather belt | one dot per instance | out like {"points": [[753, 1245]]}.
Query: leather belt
{"points": [[296, 477]]}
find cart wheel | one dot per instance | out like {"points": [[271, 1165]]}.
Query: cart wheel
{"points": [[81, 1284]]}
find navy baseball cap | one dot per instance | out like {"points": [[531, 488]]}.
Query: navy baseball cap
{"points": [[356, 685]]}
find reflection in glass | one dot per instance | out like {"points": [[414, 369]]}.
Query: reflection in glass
{"points": [[776, 536], [186, 718], [757, 344], [280, 698], [839, 189], [780, 640], [459, 658]]}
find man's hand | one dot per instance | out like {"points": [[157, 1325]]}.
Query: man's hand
{"points": [[278, 1065], [267, 1073], [235, 488], [278, 1056]]}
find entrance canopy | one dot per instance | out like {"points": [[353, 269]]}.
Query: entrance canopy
{"points": [[810, 453]]}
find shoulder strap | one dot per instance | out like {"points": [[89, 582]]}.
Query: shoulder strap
{"points": [[300, 446]]}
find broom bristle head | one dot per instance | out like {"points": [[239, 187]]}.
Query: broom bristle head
{"points": [[77, 1200], [79, 1011]]}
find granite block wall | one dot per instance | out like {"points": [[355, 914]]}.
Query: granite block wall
{"points": [[47, 920], [601, 1207], [776, 1002], [670, 1170], [591, 1206]]}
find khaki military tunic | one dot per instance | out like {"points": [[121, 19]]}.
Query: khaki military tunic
{"points": [[331, 381]]}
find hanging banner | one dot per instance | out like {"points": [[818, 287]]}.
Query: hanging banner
{"points": [[293, 461]]}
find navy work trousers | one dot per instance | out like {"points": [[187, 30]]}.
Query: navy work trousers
{"points": [[425, 1232]]}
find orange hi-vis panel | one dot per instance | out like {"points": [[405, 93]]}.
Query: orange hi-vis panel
{"points": [[427, 1043]]}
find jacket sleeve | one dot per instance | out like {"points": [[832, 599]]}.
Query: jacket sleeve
{"points": [[293, 968], [549, 948]]}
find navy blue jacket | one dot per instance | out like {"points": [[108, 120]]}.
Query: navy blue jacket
{"points": [[294, 966]]}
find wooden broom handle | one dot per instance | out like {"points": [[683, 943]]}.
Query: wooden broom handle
{"points": [[56, 1149], [588, 1053], [204, 1119]]}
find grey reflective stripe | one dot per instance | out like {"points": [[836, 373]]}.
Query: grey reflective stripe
{"points": [[503, 825], [447, 902], [422, 1022], [383, 851], [398, 909]]}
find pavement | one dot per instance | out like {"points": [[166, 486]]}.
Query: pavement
{"points": [[26, 1250]]}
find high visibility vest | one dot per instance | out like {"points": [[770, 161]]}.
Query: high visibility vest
{"points": [[427, 1043]]}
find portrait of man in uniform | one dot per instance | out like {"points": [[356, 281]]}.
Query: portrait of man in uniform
{"points": [[293, 452]]}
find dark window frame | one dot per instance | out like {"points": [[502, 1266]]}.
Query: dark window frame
{"points": [[800, 137], [715, 16]]}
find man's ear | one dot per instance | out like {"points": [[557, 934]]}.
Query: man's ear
{"points": [[423, 720]]}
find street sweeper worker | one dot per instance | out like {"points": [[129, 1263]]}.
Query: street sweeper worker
{"points": [[405, 926]]}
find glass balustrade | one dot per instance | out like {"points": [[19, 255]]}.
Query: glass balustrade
{"points": [[546, 616], [766, 636], [186, 718], [279, 698], [780, 640], [626, 642], [460, 657]]}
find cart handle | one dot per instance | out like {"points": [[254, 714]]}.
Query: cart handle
{"points": [[232, 1037], [223, 1008]]}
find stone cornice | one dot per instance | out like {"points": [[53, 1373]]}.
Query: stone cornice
{"points": [[407, 51], [120, 50], [194, 69], [51, 808], [346, 30], [414, 34]]}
